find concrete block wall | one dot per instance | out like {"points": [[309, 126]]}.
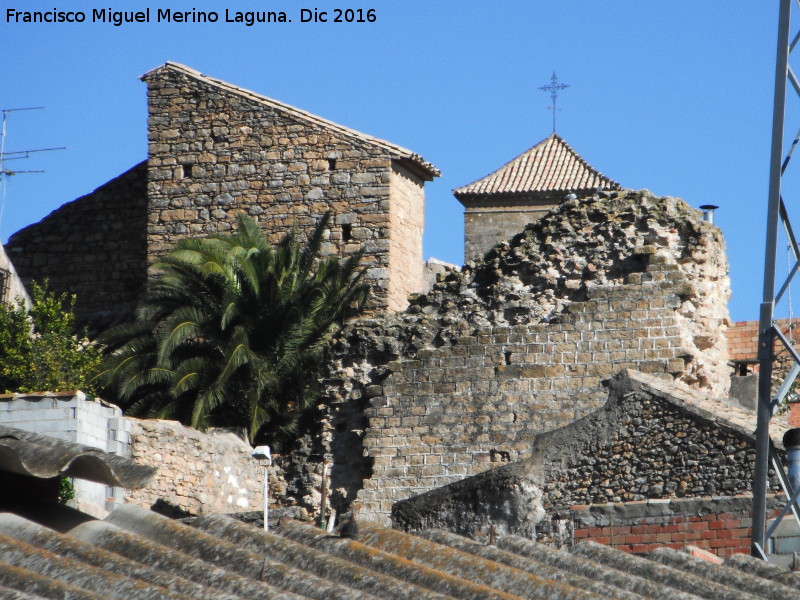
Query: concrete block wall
{"points": [[73, 417]]}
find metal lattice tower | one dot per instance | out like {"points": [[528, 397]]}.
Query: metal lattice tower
{"points": [[769, 334]]}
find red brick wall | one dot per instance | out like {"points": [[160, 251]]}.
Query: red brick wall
{"points": [[743, 340], [722, 534], [720, 525]]}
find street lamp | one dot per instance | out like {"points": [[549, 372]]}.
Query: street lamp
{"points": [[264, 453]]}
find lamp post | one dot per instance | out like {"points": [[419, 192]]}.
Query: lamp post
{"points": [[264, 453]]}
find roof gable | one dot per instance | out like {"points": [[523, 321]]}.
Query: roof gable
{"points": [[427, 170], [551, 166]]}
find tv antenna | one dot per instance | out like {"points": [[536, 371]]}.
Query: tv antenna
{"points": [[6, 173]]}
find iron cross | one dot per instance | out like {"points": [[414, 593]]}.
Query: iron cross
{"points": [[554, 88]]}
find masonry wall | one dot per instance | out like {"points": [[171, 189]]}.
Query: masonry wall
{"points": [[489, 222], [197, 473], [721, 525], [73, 417], [217, 152], [521, 342], [93, 247], [406, 223], [460, 409]]}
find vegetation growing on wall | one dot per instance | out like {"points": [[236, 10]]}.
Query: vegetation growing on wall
{"points": [[231, 331], [41, 348]]}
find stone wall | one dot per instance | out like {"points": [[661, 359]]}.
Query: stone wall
{"points": [[406, 223], [216, 151], [656, 465], [519, 343], [488, 222], [94, 247], [197, 473]]}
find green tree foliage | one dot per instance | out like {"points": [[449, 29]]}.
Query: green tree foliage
{"points": [[231, 332], [41, 349]]}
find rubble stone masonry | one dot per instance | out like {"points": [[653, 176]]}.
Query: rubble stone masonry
{"points": [[94, 247], [216, 151], [521, 342]]}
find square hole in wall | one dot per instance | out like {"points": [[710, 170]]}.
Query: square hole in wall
{"points": [[331, 164]]}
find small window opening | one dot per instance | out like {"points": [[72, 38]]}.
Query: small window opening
{"points": [[187, 171], [331, 164], [507, 356], [347, 231]]}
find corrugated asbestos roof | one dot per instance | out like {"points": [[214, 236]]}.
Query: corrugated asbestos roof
{"points": [[42, 456], [394, 150], [550, 166], [137, 554]]}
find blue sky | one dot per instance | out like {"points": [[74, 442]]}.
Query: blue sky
{"points": [[675, 97]]}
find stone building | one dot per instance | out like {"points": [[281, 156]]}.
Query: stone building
{"points": [[216, 151], [521, 342], [659, 463], [500, 205]]}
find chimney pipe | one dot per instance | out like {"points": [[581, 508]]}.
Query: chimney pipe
{"points": [[791, 441], [708, 212]]}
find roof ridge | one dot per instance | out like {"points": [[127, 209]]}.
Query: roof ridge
{"points": [[399, 151]]}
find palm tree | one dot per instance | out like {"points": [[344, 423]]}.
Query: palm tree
{"points": [[231, 331]]}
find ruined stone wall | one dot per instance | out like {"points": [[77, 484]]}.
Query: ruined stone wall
{"points": [[406, 223], [93, 247], [519, 343], [217, 151]]}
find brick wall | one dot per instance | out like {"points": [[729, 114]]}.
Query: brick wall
{"points": [[743, 344], [93, 247], [722, 526]]}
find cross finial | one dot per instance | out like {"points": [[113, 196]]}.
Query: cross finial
{"points": [[554, 87]]}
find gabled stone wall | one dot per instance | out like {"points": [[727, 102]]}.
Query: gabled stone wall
{"points": [[94, 247], [216, 151]]}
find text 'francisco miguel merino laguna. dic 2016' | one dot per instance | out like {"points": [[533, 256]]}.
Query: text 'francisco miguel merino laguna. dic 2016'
{"points": [[162, 15]]}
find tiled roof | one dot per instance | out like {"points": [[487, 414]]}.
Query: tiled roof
{"points": [[44, 457], [551, 166], [137, 554], [394, 150]]}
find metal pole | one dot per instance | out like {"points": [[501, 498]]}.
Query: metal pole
{"points": [[765, 335], [266, 496]]}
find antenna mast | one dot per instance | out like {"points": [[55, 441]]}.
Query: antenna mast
{"points": [[5, 173]]}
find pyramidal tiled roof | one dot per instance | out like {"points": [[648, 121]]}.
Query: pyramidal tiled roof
{"points": [[428, 169], [550, 166]]}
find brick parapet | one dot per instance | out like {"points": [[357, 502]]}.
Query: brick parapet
{"points": [[721, 525]]}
